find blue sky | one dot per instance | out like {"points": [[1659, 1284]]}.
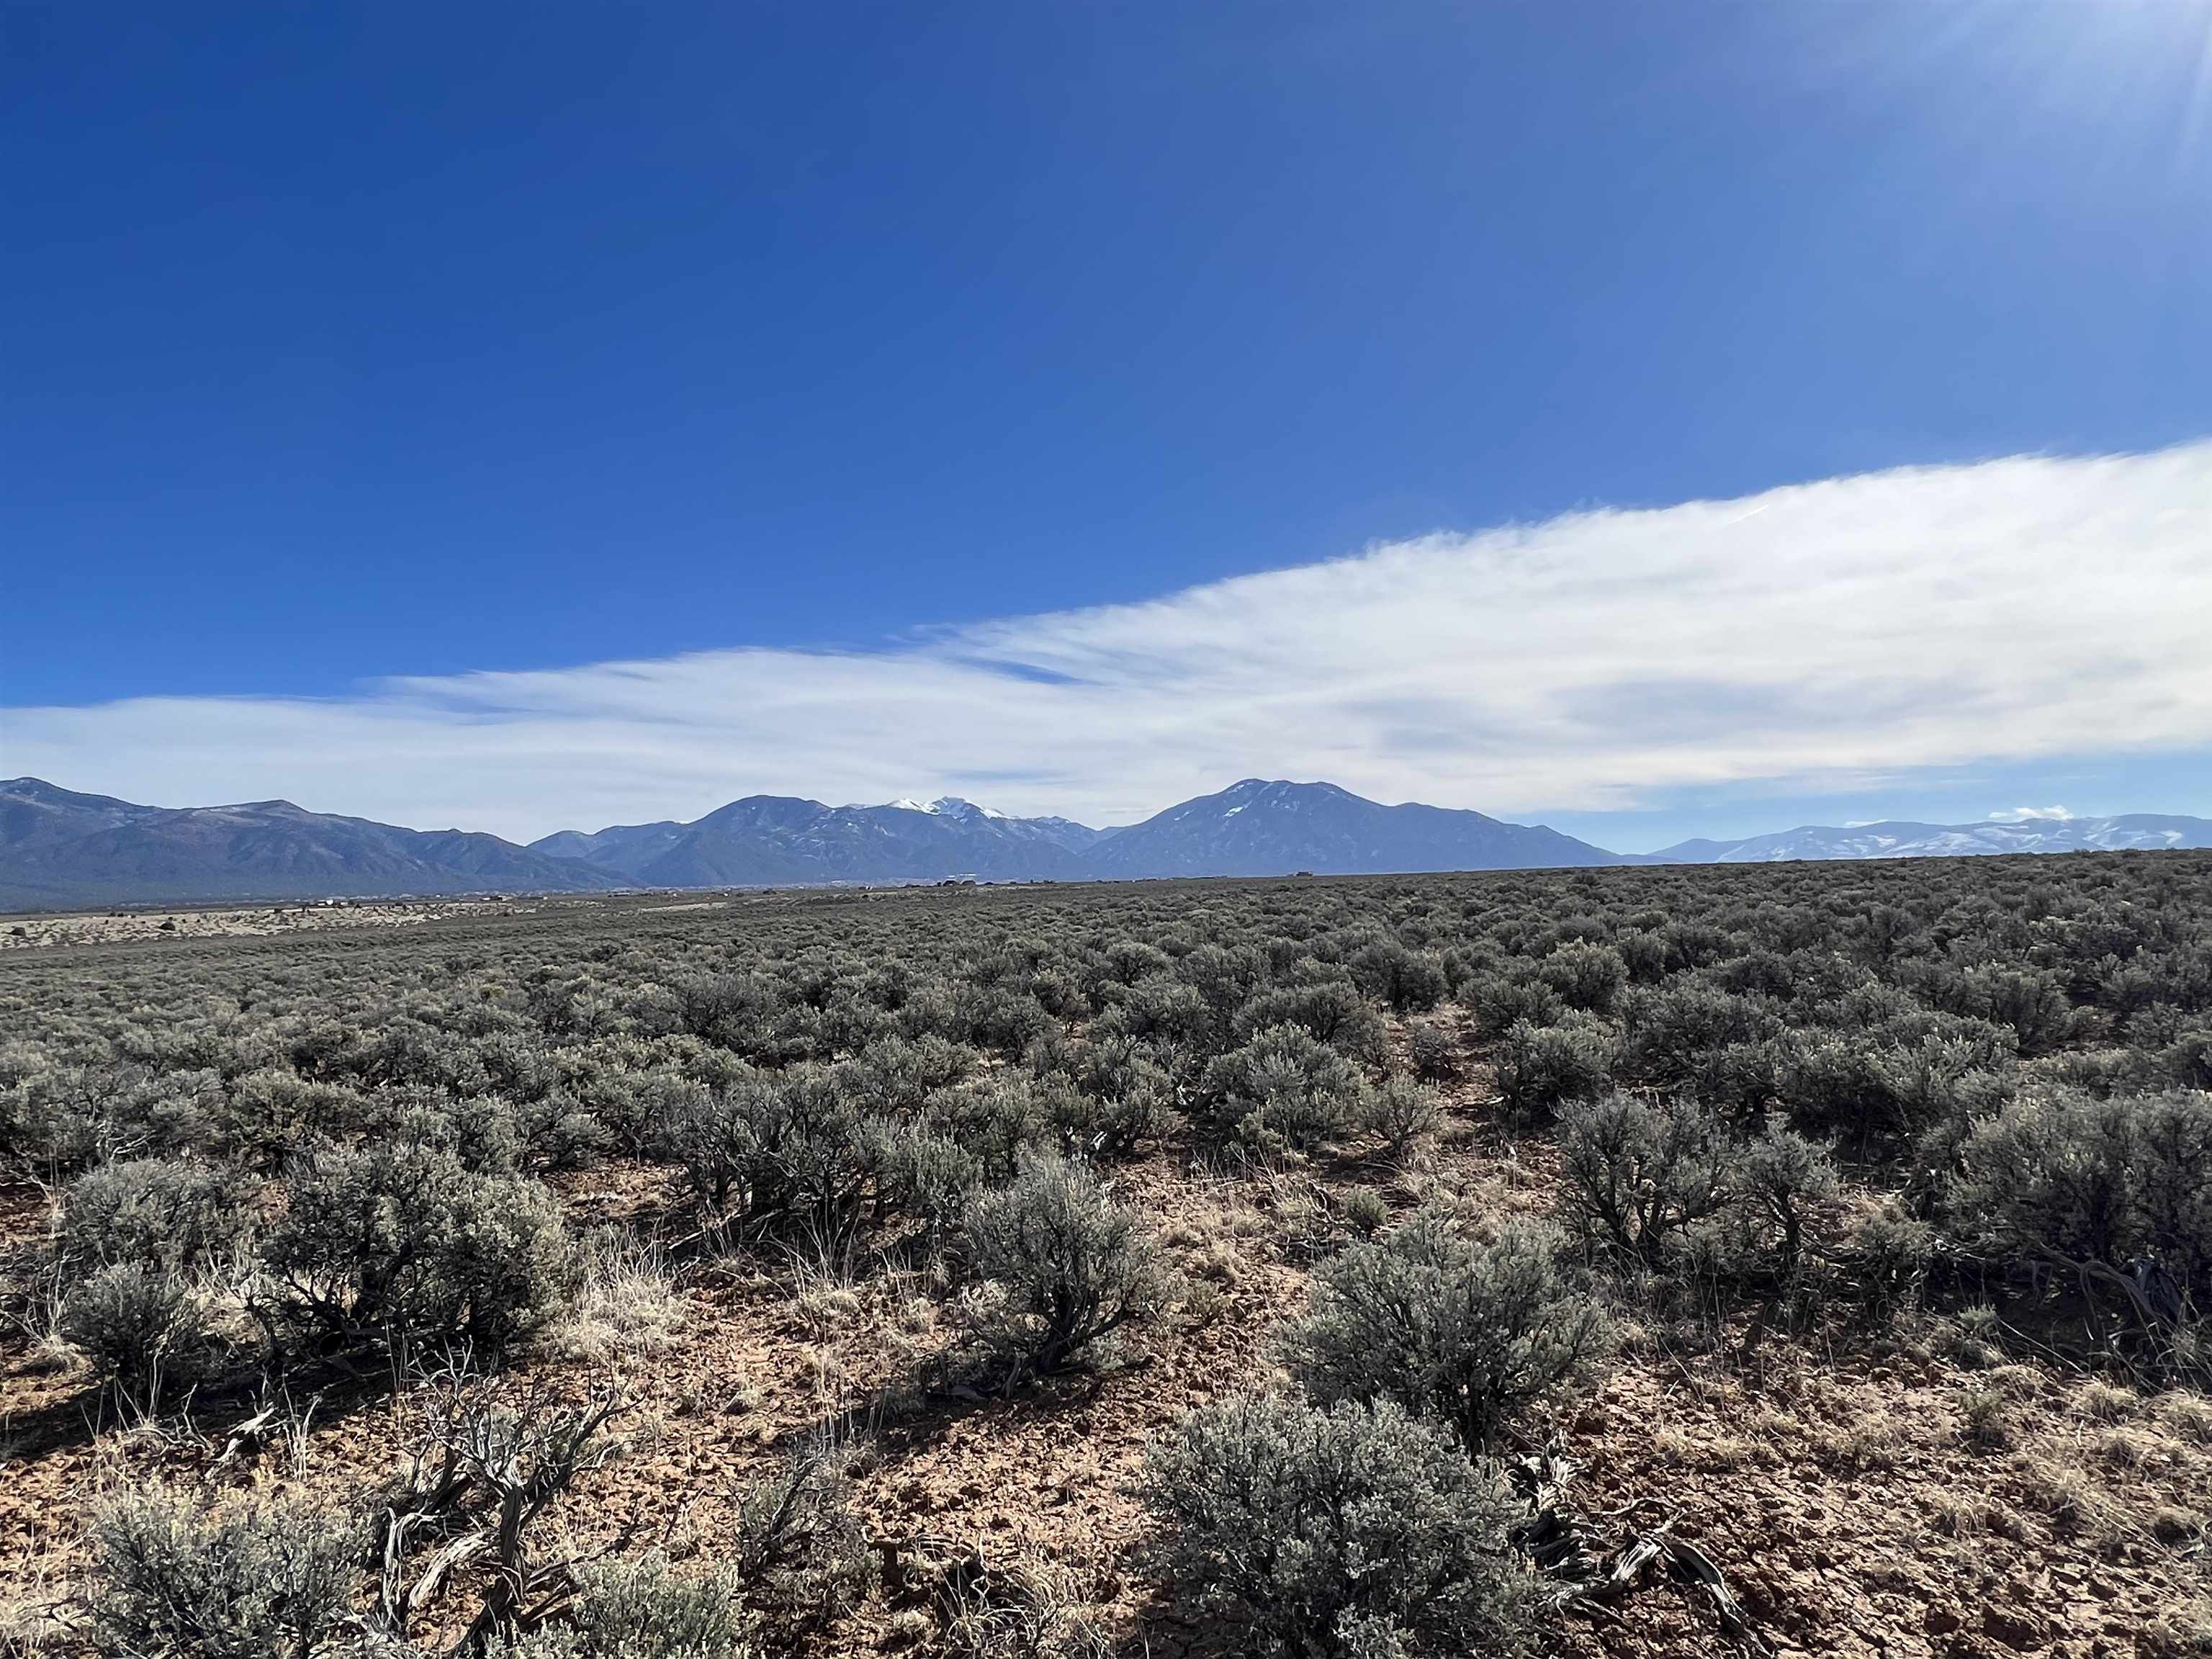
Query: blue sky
{"points": [[355, 347]]}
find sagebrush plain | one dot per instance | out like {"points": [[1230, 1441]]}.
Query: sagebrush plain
{"points": [[1808, 1258]]}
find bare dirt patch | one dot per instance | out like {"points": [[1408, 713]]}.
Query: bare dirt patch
{"points": [[1841, 1491]]}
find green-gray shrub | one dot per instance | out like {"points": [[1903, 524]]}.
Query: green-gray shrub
{"points": [[159, 1213], [1541, 1068], [405, 1245], [1409, 981], [1466, 1335], [1351, 1530], [1435, 1051], [996, 1117], [1331, 1009], [259, 1580], [923, 1173], [1400, 1110], [1780, 1177], [1127, 1097], [2114, 1180], [143, 1328], [767, 1150], [1673, 1031], [1512, 997], [1285, 1088], [1639, 1175], [1074, 1266], [1882, 1087], [639, 1609], [1891, 1253], [800, 1555], [1587, 976]]}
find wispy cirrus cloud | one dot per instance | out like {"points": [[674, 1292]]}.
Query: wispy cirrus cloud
{"points": [[1815, 637]]}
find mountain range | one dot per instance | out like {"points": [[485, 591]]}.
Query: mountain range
{"points": [[779, 840], [2129, 832], [60, 848]]}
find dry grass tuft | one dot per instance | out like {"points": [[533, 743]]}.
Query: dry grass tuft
{"points": [[2104, 1403], [626, 1307], [1956, 1515], [2187, 1415], [1987, 1425]]}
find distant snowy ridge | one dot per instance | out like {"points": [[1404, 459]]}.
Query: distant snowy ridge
{"points": [[59, 848], [2128, 832]]}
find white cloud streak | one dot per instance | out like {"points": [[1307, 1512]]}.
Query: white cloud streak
{"points": [[1816, 636]]}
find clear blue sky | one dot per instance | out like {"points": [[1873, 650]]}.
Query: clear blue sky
{"points": [[352, 341]]}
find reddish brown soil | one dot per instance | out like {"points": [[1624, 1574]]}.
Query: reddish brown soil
{"points": [[1835, 1483]]}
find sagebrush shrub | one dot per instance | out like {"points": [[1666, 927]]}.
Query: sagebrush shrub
{"points": [[163, 1104], [739, 1011], [268, 1112], [994, 1119], [1890, 1258], [1410, 981], [1781, 1177], [1587, 976], [1692, 945], [405, 1245], [1674, 1031], [1881, 1087], [1122, 964], [923, 1173], [1400, 1110], [43, 1118], [1074, 1266], [1366, 1212], [1644, 953], [555, 1131], [897, 1074], [1127, 1097], [1541, 1068], [1518, 996], [715, 1131], [2186, 1061], [764, 1151], [1331, 1009], [1351, 1530], [1284, 1088], [1163, 1012], [143, 1328], [259, 1580], [1467, 1334], [639, 1609], [801, 1556], [1000, 1019], [1435, 1051], [1224, 977], [159, 1213], [1638, 1175], [2119, 1181], [2032, 1001], [1756, 973]]}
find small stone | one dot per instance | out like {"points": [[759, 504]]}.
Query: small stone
{"points": [[2014, 1631]]}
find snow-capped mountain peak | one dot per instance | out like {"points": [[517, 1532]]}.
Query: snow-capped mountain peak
{"points": [[953, 807], [944, 806]]}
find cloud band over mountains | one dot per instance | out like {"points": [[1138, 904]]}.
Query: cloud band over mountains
{"points": [[1814, 636]]}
